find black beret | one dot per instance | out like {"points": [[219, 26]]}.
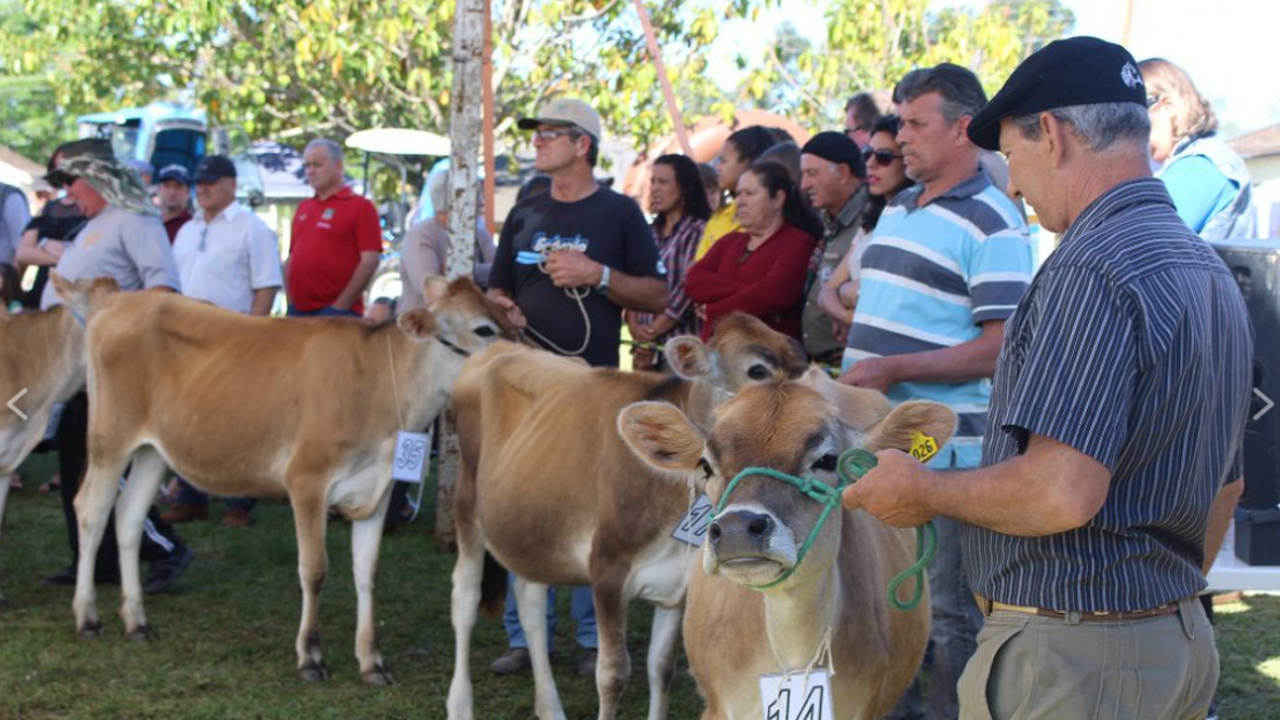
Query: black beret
{"points": [[837, 148], [1076, 71]]}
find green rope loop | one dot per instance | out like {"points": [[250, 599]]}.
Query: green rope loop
{"points": [[851, 466]]}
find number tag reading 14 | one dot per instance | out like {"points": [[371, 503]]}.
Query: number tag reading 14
{"points": [[412, 451], [803, 696], [693, 526]]}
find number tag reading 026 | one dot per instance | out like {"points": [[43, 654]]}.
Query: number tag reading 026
{"points": [[803, 696], [693, 526], [923, 447], [410, 462]]}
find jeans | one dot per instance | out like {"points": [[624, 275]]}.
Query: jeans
{"points": [[189, 495], [954, 634], [322, 312], [582, 608]]}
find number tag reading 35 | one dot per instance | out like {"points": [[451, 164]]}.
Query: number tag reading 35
{"points": [[800, 697], [412, 450], [693, 526]]}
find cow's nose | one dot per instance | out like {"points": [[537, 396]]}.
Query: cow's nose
{"points": [[745, 523]]}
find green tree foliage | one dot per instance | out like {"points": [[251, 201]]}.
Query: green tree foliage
{"points": [[870, 44], [286, 68]]}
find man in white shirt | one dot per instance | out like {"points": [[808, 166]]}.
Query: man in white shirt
{"points": [[228, 257]]}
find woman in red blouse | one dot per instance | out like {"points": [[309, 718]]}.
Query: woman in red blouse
{"points": [[761, 269]]}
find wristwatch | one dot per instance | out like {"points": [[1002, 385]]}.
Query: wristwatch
{"points": [[603, 287]]}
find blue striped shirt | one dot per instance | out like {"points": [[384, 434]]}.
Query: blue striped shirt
{"points": [[1132, 346], [930, 275]]}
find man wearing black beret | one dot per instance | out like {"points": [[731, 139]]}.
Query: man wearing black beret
{"points": [[1117, 414], [832, 172]]}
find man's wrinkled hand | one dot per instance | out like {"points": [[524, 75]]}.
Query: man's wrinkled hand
{"points": [[893, 491], [571, 268], [514, 314], [871, 373]]}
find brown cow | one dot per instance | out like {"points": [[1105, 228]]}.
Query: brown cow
{"points": [[41, 364], [248, 406], [735, 632], [549, 489]]}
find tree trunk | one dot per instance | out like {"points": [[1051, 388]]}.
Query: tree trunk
{"points": [[465, 104]]}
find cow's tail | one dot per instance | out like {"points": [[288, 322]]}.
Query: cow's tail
{"points": [[493, 587]]}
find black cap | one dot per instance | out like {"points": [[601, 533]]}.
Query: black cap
{"points": [[837, 148], [174, 172], [213, 168], [1076, 71]]}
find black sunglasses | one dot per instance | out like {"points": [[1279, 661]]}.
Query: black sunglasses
{"points": [[60, 179], [882, 156]]}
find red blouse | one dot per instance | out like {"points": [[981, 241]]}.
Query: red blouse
{"points": [[767, 282]]}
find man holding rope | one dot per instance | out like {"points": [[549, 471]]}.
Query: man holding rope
{"points": [[569, 261], [1117, 414]]}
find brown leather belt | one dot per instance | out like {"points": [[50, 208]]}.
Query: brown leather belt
{"points": [[989, 606]]}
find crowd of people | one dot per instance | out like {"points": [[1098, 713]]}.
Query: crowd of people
{"points": [[897, 252]]}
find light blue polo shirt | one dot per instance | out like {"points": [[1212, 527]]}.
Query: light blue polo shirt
{"points": [[930, 275]]}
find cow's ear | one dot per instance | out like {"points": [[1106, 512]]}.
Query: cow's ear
{"points": [[68, 291], [688, 356], [860, 408], [661, 436], [99, 288], [434, 287], [418, 324], [898, 430]]}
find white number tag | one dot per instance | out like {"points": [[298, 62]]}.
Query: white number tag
{"points": [[693, 526], [412, 451], [802, 697]]}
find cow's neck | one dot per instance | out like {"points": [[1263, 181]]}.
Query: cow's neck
{"points": [[799, 619], [65, 337], [424, 377]]}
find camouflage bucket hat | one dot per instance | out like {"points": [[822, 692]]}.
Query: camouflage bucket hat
{"points": [[93, 160]]}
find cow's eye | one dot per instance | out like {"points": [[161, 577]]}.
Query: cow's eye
{"points": [[486, 331], [826, 463], [758, 372], [705, 467]]}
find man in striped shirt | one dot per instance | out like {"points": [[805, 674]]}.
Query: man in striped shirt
{"points": [[1117, 414], [948, 262]]}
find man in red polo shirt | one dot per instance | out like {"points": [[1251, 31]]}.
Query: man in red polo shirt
{"points": [[336, 240]]}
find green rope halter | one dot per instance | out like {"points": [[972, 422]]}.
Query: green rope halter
{"points": [[852, 465]]}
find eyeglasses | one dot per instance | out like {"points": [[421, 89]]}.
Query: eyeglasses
{"points": [[549, 135], [884, 156], [1152, 100]]}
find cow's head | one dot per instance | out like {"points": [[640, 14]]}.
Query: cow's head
{"points": [[743, 351], [84, 296], [799, 428], [458, 314]]}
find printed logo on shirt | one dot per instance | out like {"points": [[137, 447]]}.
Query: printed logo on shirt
{"points": [[327, 214], [543, 244]]}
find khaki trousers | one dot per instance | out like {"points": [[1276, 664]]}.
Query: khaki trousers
{"points": [[1036, 668]]}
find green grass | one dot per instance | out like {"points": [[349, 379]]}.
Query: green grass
{"points": [[226, 632]]}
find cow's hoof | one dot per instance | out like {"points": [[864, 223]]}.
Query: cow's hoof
{"points": [[313, 671], [142, 633], [380, 676], [90, 630]]}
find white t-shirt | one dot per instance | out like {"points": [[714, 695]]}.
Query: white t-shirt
{"points": [[225, 260]]}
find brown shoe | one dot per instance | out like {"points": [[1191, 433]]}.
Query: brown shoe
{"points": [[183, 513], [236, 517]]}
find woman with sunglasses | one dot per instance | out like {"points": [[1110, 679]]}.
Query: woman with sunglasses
{"points": [[1208, 180], [886, 177]]}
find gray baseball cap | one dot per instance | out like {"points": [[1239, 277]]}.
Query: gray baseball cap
{"points": [[565, 111]]}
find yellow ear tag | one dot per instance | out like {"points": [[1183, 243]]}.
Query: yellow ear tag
{"points": [[923, 447]]}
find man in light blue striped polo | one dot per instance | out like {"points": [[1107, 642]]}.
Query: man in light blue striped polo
{"points": [[946, 266], [1117, 414]]}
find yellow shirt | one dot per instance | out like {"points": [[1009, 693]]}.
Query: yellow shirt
{"points": [[722, 223]]}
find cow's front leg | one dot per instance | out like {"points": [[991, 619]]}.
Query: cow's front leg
{"points": [[366, 538], [663, 644], [309, 517], [93, 506], [131, 514], [4, 494], [613, 668], [531, 602], [468, 577]]}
